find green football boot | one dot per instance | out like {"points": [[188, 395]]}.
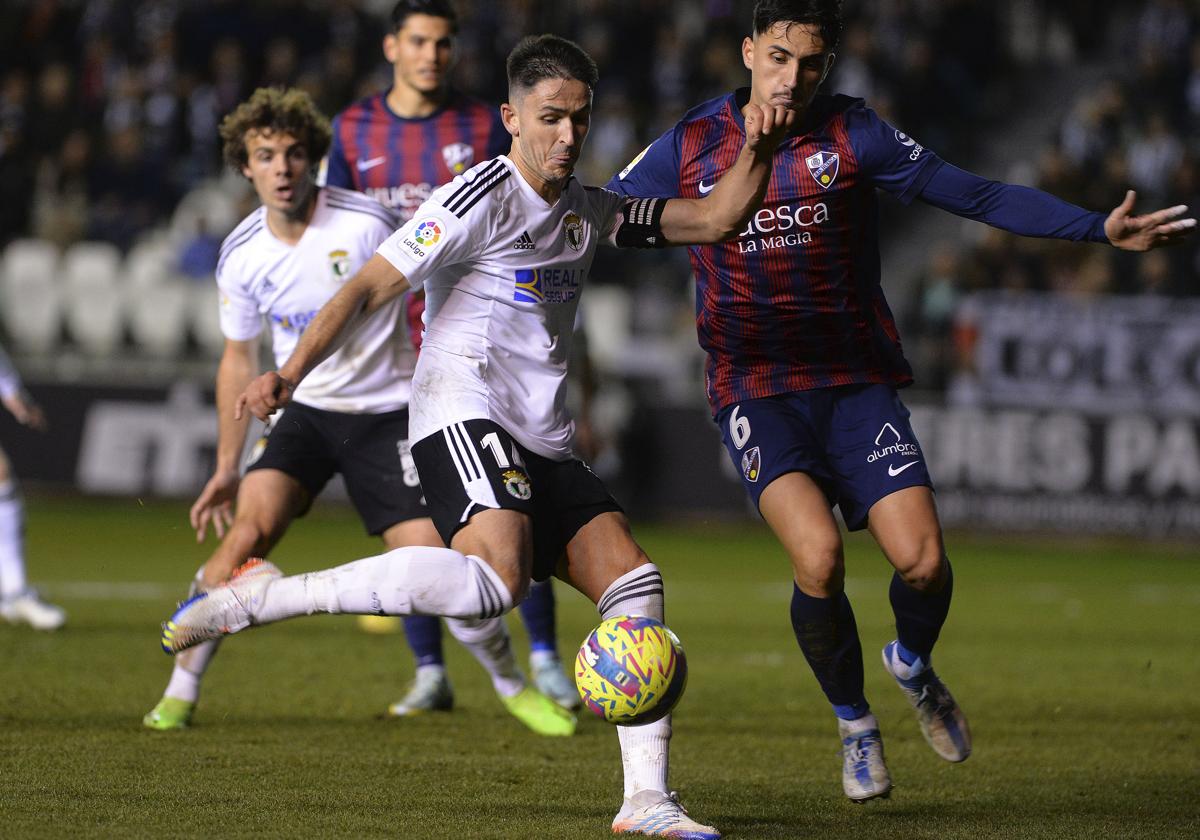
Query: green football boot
{"points": [[540, 713], [170, 713]]}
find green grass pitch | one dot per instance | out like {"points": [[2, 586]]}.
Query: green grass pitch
{"points": [[1078, 664]]}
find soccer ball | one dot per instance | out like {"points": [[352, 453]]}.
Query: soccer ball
{"points": [[631, 670]]}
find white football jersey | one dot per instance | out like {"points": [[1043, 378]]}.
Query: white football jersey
{"points": [[260, 276], [502, 272]]}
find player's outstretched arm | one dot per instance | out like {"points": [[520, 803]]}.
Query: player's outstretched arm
{"points": [[1153, 230], [739, 192], [376, 283]]}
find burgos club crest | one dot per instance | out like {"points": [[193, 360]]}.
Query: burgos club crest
{"points": [[458, 157], [517, 484], [573, 230], [823, 166], [339, 261]]}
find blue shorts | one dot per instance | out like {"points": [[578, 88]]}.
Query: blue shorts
{"points": [[854, 441]]}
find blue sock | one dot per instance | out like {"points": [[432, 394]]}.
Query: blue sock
{"points": [[828, 636], [424, 634], [919, 616], [537, 611]]}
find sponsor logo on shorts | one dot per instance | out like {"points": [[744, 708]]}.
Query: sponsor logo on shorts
{"points": [[889, 444], [823, 166], [408, 464], [517, 484], [751, 463]]}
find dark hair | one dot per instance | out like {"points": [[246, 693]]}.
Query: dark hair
{"points": [[538, 57], [826, 15], [271, 110], [433, 8]]}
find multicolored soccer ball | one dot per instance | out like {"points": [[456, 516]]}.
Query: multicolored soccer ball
{"points": [[631, 670]]}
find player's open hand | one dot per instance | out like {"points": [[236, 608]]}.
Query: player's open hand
{"points": [[25, 410], [767, 126], [264, 396], [1153, 230], [214, 505]]}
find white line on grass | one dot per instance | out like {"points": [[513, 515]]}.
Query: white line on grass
{"points": [[102, 590]]}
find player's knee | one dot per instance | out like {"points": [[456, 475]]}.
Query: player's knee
{"points": [[820, 571], [925, 567], [513, 573]]}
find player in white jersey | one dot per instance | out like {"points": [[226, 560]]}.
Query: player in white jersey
{"points": [[488, 415], [281, 264], [18, 603]]}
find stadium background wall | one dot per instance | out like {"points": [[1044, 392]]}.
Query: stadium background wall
{"points": [[998, 468]]}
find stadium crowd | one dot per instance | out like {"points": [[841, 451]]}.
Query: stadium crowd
{"points": [[1136, 129], [109, 109]]}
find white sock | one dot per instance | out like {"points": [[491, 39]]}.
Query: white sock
{"points": [[488, 641], [415, 580], [645, 750], [12, 541], [191, 664], [862, 724]]}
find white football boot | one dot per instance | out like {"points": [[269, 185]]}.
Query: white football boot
{"points": [[551, 680], [219, 611], [657, 814], [27, 608], [430, 692], [864, 774], [942, 722]]}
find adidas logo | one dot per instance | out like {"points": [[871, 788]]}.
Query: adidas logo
{"points": [[524, 242]]}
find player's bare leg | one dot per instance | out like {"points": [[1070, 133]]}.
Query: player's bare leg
{"points": [[267, 502], [18, 603], [797, 511], [605, 563], [905, 524]]}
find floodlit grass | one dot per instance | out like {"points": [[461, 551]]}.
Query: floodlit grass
{"points": [[1078, 664]]}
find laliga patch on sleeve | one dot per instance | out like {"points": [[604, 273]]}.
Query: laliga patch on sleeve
{"points": [[633, 163], [426, 236]]}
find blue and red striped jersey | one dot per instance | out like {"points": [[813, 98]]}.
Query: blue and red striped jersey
{"points": [[794, 301], [400, 161]]}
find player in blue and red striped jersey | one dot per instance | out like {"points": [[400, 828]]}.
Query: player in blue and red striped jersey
{"points": [[804, 359], [397, 146]]}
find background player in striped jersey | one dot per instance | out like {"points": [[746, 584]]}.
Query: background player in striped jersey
{"points": [[18, 603], [283, 263], [396, 146], [493, 437], [804, 359]]}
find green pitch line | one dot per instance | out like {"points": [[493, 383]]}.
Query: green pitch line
{"points": [[1076, 661]]}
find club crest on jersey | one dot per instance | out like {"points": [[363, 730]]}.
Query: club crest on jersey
{"points": [[751, 463], [425, 237], [458, 157], [517, 484], [339, 261], [823, 166], [573, 230]]}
